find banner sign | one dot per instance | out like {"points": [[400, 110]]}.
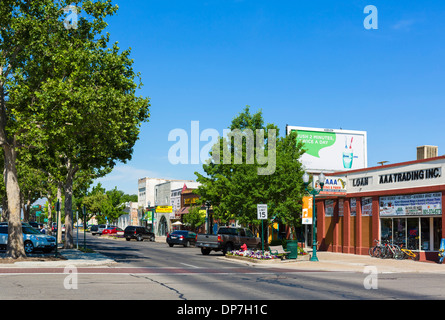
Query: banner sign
{"points": [[410, 205], [329, 208], [164, 209], [306, 217], [367, 206]]}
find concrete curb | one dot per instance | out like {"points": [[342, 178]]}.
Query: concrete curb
{"points": [[68, 257]]}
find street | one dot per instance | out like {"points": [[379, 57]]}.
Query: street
{"points": [[154, 271]]}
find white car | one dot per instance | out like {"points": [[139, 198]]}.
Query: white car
{"points": [[32, 239]]}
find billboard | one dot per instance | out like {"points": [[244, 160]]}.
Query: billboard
{"points": [[331, 150]]}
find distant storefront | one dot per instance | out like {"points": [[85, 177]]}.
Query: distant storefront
{"points": [[399, 202]]}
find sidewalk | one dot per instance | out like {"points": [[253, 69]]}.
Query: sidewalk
{"points": [[67, 257], [342, 262]]}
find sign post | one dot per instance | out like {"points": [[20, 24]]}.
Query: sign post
{"points": [[262, 215], [57, 225]]}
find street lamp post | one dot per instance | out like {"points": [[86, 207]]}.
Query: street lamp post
{"points": [[314, 192]]}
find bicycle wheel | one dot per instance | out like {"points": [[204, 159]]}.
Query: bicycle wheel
{"points": [[406, 254], [378, 252], [398, 254], [374, 251], [385, 253]]}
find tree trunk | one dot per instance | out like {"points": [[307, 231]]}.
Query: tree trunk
{"points": [[15, 247], [69, 240], [5, 211], [50, 216]]}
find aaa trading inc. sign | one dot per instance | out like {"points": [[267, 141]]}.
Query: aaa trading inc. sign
{"points": [[414, 175], [332, 150]]}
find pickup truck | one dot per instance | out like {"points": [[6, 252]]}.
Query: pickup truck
{"points": [[227, 239]]}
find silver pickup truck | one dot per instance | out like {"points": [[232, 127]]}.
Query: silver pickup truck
{"points": [[227, 239]]}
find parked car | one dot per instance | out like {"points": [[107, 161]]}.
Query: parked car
{"points": [[32, 238], [93, 229], [138, 233], [99, 228], [227, 239], [182, 237], [113, 230]]}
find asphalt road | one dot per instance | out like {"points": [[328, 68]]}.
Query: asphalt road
{"points": [[154, 271]]}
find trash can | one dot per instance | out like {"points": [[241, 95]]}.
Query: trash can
{"points": [[292, 246]]}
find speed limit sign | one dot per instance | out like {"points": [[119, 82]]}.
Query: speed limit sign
{"points": [[261, 211]]}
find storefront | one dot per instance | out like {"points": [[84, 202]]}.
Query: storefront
{"points": [[398, 202]]}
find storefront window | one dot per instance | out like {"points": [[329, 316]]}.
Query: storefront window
{"points": [[425, 233], [413, 233], [400, 231], [386, 227], [416, 233], [416, 221]]}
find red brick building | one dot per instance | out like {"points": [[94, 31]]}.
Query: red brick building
{"points": [[400, 202]]}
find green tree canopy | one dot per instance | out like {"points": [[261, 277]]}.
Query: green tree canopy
{"points": [[66, 94], [235, 189]]}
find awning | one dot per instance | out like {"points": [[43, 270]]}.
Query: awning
{"points": [[183, 210]]}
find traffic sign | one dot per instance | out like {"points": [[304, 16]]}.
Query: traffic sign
{"points": [[261, 211]]}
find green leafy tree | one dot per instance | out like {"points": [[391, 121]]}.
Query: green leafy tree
{"points": [[194, 218], [235, 189], [77, 95], [25, 27], [95, 202], [116, 201]]}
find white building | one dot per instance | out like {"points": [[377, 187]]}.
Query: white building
{"points": [[163, 197], [146, 189], [158, 192]]}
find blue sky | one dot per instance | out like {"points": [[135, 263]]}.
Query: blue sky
{"points": [[303, 63]]}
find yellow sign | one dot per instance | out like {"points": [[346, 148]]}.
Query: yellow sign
{"points": [[190, 200], [164, 209], [306, 217]]}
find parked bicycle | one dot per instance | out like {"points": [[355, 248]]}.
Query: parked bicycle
{"points": [[407, 253], [388, 251], [376, 251], [397, 252]]}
